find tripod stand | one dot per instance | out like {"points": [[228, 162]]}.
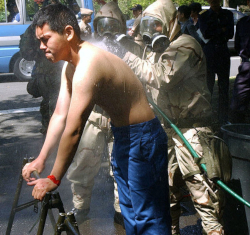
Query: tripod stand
{"points": [[66, 221]]}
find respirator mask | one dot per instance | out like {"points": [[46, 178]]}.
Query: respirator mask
{"points": [[151, 31], [108, 27]]}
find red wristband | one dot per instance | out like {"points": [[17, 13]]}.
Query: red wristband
{"points": [[54, 180]]}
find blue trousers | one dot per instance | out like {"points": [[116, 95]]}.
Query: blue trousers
{"points": [[218, 62], [139, 161]]}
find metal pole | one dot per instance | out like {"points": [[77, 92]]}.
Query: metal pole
{"points": [[15, 202]]}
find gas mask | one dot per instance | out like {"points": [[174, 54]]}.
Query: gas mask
{"points": [[151, 31], [108, 27]]}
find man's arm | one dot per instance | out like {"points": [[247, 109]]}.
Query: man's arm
{"points": [[136, 26], [55, 129], [80, 108], [173, 66], [193, 33]]}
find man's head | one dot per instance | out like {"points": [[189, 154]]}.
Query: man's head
{"points": [[75, 8], [56, 28], [137, 10], [57, 16], [162, 11], [109, 20], [214, 3], [195, 9], [183, 13], [86, 15]]}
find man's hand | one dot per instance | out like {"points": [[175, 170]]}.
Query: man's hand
{"points": [[131, 32], [42, 186], [36, 165]]}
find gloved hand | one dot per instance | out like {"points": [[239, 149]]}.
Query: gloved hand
{"points": [[129, 44], [114, 46]]}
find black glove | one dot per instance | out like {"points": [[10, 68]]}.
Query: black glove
{"points": [[114, 46], [129, 44]]}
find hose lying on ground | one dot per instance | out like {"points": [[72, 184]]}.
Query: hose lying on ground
{"points": [[217, 181]]}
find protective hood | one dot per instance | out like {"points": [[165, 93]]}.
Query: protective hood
{"points": [[165, 11], [111, 10]]}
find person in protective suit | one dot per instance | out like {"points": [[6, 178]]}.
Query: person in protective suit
{"points": [[45, 80], [174, 74], [109, 21], [110, 28], [96, 135]]}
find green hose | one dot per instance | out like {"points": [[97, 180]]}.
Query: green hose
{"points": [[217, 181]]}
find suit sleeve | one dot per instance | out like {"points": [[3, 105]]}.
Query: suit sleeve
{"points": [[173, 66]]}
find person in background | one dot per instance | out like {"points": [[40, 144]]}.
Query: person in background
{"points": [[139, 155], [195, 11], [46, 76], [84, 23], [135, 31], [174, 75], [14, 15], [241, 91], [76, 9], [217, 27], [187, 27]]}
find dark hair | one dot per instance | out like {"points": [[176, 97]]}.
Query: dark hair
{"points": [[185, 10], [195, 7], [57, 16]]}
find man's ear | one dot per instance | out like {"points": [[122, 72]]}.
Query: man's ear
{"points": [[69, 32]]}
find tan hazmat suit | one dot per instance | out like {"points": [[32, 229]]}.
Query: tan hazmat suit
{"points": [[176, 81], [111, 10], [87, 160]]}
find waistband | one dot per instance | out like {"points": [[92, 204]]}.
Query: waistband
{"points": [[149, 126]]}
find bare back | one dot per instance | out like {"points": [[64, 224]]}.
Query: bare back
{"points": [[108, 81]]}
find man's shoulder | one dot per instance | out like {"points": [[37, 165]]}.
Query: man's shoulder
{"points": [[203, 11], [227, 12], [204, 14], [244, 20]]}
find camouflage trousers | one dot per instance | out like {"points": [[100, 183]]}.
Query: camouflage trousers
{"points": [[185, 173], [87, 160]]}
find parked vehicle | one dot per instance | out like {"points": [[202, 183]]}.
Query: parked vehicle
{"points": [[13, 23]]}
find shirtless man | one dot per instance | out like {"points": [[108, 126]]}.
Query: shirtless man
{"points": [[94, 76]]}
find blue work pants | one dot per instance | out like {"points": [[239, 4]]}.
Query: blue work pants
{"points": [[139, 163]]}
